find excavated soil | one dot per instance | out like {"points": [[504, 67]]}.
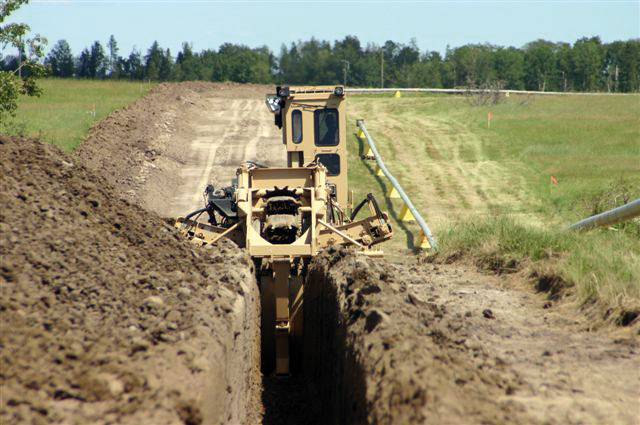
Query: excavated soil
{"points": [[413, 344], [108, 316]]}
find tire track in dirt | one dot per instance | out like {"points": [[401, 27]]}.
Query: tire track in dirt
{"points": [[212, 141], [209, 140], [230, 137], [163, 150]]}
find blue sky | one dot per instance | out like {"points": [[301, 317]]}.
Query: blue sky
{"points": [[433, 24]]}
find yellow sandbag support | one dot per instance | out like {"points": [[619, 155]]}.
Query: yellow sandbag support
{"points": [[405, 214], [360, 134], [369, 151], [397, 94], [424, 242], [393, 193], [379, 172]]}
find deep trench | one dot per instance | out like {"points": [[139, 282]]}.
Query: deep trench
{"points": [[331, 388]]}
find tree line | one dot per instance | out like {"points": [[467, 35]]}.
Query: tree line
{"points": [[586, 65]]}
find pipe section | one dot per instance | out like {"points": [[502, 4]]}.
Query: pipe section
{"points": [[394, 182], [616, 215], [463, 91]]}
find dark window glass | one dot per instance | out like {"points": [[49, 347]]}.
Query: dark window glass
{"points": [[331, 161], [296, 117], [326, 127]]}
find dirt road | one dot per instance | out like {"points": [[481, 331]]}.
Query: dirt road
{"points": [[97, 287], [180, 138]]}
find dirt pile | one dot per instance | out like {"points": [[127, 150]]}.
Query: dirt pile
{"points": [[107, 315], [448, 345], [406, 361], [124, 143]]}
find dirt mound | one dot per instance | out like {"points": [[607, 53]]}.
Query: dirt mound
{"points": [[107, 315], [406, 361], [388, 343], [120, 145]]}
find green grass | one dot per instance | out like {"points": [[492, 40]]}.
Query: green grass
{"points": [[600, 267], [65, 112], [586, 143], [591, 145]]}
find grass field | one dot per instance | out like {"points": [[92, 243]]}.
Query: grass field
{"points": [[487, 192], [68, 108]]}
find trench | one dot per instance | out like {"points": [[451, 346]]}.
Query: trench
{"points": [[331, 387]]}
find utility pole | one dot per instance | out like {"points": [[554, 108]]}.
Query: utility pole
{"points": [[345, 70], [381, 68]]}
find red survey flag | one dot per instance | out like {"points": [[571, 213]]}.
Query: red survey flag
{"points": [[554, 181]]}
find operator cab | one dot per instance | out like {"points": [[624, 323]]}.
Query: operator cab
{"points": [[313, 123]]}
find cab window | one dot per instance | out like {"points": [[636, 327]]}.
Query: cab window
{"points": [[296, 118], [326, 127], [331, 161]]}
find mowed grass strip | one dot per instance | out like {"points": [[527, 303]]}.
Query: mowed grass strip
{"points": [[68, 108], [439, 162], [590, 145]]}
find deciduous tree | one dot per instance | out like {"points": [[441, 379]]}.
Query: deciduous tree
{"points": [[588, 63], [21, 80], [563, 66], [630, 67], [509, 67], [539, 64], [60, 60]]}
